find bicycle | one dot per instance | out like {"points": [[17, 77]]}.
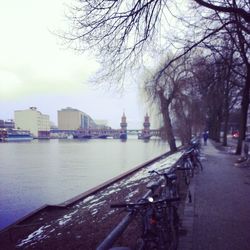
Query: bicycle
{"points": [[186, 166], [194, 156], [195, 144], [159, 223], [170, 188]]}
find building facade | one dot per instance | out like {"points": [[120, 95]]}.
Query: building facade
{"points": [[33, 120], [73, 119], [9, 124]]}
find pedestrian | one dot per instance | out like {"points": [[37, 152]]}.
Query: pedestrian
{"points": [[205, 137]]}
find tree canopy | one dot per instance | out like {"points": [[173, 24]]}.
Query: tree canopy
{"points": [[122, 32]]}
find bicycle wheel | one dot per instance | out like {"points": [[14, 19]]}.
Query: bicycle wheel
{"points": [[186, 176], [188, 166], [174, 224], [200, 164], [140, 244], [174, 191], [197, 165], [149, 239], [170, 229]]}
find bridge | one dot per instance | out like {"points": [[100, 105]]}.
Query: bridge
{"points": [[152, 132], [115, 133]]}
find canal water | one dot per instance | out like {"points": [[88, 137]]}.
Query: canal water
{"points": [[52, 171]]}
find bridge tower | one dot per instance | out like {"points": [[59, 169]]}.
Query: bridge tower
{"points": [[145, 134], [123, 124], [146, 124]]}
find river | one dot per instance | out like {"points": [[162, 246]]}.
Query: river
{"points": [[52, 171]]}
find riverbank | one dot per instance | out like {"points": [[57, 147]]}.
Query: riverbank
{"points": [[84, 223]]}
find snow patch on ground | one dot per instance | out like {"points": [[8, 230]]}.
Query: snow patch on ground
{"points": [[141, 176], [96, 204], [35, 236], [66, 218], [128, 197]]}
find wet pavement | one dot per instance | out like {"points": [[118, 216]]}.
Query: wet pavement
{"points": [[219, 215]]}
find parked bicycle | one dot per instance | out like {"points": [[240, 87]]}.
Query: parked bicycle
{"points": [[186, 167], [190, 163], [196, 163], [196, 145], [169, 188], [160, 223], [158, 217]]}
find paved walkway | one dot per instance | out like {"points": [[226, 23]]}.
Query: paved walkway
{"points": [[219, 216]]}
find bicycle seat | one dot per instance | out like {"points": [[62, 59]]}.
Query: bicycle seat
{"points": [[171, 176], [152, 186], [186, 153]]}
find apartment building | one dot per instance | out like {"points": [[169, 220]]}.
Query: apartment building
{"points": [[33, 120]]}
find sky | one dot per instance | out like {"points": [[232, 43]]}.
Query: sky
{"points": [[36, 70]]}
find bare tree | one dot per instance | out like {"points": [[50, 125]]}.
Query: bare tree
{"points": [[170, 93], [189, 111], [122, 30]]}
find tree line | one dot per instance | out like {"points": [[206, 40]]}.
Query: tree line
{"points": [[195, 53]]}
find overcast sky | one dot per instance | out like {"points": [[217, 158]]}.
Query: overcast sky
{"points": [[35, 69]]}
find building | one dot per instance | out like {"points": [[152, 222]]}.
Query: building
{"points": [[33, 120], [73, 119], [101, 124], [9, 124]]}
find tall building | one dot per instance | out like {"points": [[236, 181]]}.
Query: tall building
{"points": [[73, 119], [33, 120]]}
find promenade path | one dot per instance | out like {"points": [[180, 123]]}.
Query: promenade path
{"points": [[219, 216]]}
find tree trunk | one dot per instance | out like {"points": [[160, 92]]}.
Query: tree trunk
{"points": [[164, 104], [244, 109], [214, 126], [225, 128], [169, 131]]}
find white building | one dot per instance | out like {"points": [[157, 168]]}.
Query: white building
{"points": [[33, 120]]}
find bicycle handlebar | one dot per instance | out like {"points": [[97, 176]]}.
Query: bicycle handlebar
{"points": [[154, 171], [141, 204], [189, 151], [161, 174], [168, 176]]}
